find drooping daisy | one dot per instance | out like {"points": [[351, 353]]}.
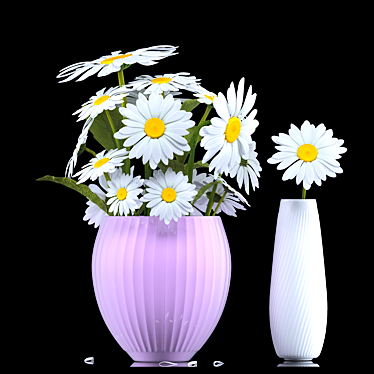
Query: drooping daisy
{"points": [[155, 128], [81, 140], [204, 96], [162, 83], [233, 191], [123, 194], [113, 62], [314, 150], [169, 195], [247, 169], [102, 163], [94, 214], [229, 203], [103, 100], [230, 133]]}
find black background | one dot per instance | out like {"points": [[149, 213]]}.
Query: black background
{"points": [[301, 70]]}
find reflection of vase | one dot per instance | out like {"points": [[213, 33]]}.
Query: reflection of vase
{"points": [[161, 289], [298, 296]]}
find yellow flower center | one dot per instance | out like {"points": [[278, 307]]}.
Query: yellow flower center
{"points": [[169, 195], [233, 129], [121, 194], [101, 162], [101, 99], [111, 59], [154, 127], [210, 97], [161, 80], [307, 152]]}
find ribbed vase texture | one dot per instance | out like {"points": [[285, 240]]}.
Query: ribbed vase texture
{"points": [[161, 289], [298, 296]]}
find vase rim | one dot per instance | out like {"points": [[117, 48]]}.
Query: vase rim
{"points": [[185, 217], [298, 199]]}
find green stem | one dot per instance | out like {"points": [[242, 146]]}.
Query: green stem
{"points": [[304, 193], [193, 144], [121, 80], [113, 129], [147, 174], [211, 198], [223, 196], [90, 151], [203, 118]]}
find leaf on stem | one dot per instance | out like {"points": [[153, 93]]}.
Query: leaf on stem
{"points": [[189, 105], [102, 131], [81, 188], [175, 165], [203, 189], [199, 164]]}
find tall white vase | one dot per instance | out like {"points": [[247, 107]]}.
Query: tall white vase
{"points": [[298, 296]]}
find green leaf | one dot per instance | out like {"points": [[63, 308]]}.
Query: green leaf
{"points": [[189, 105], [81, 149], [199, 164], [102, 131], [203, 189], [81, 188], [175, 165]]}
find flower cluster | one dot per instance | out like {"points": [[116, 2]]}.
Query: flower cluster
{"points": [[146, 119]]}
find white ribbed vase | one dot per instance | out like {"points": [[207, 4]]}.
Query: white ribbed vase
{"points": [[298, 296]]}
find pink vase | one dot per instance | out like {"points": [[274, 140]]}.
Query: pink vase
{"points": [[161, 289]]}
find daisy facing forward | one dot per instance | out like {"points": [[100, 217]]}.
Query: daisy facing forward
{"points": [[155, 128], [102, 163], [169, 195], [113, 62], [230, 133], [103, 100], [123, 193], [314, 150], [162, 83]]}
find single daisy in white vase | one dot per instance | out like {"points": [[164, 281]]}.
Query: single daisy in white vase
{"points": [[314, 150], [103, 100], [160, 84], [155, 128], [247, 170], [169, 195], [230, 133], [112, 63], [102, 163]]}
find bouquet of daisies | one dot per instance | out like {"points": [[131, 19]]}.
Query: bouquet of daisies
{"points": [[146, 119]]}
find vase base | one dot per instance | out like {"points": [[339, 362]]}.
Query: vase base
{"points": [[157, 364], [156, 357], [298, 363]]}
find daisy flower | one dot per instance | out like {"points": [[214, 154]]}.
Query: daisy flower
{"points": [[123, 194], [204, 96], [155, 128], [113, 62], [314, 150], [233, 191], [163, 83], [102, 163], [247, 169], [169, 195], [230, 133], [103, 100], [229, 203], [81, 140]]}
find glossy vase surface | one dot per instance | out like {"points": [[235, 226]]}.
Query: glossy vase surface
{"points": [[298, 295], [161, 289]]}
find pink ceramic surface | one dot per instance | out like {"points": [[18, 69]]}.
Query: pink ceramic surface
{"points": [[161, 289]]}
